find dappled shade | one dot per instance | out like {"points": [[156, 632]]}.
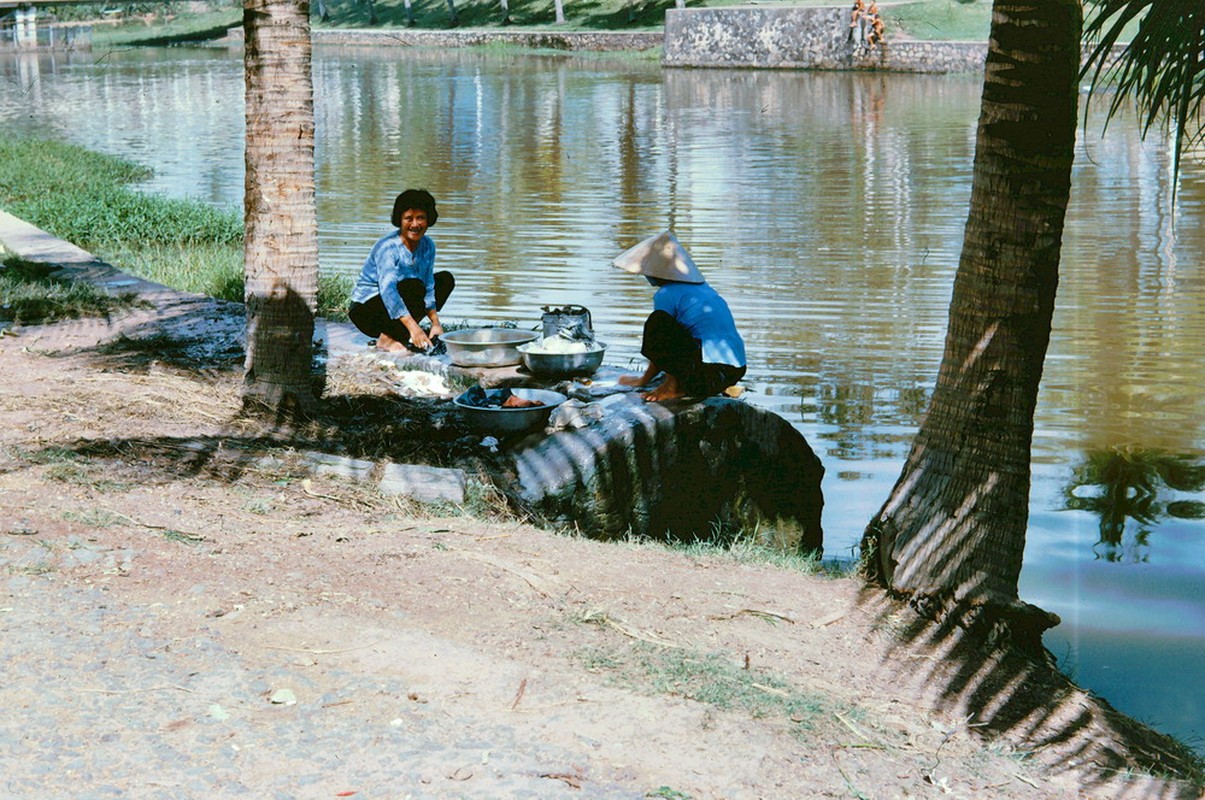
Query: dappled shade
{"points": [[1020, 699]]}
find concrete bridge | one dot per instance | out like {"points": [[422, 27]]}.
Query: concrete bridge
{"points": [[19, 26]]}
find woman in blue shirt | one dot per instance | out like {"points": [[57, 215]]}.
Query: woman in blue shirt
{"points": [[398, 285], [691, 335]]}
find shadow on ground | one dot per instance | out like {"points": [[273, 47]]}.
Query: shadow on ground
{"points": [[1022, 698]]}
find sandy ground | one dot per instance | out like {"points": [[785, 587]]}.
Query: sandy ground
{"points": [[181, 618]]}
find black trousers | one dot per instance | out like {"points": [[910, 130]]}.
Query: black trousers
{"points": [[669, 345], [372, 319]]}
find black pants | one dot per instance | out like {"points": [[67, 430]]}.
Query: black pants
{"points": [[672, 349], [372, 319]]}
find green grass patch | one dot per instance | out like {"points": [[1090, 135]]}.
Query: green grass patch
{"points": [[30, 294], [775, 545], [93, 518], [744, 551], [334, 295], [85, 474], [85, 198], [668, 793], [172, 30], [208, 268], [711, 678], [940, 20]]}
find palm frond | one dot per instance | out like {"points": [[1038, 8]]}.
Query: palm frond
{"points": [[1161, 69]]}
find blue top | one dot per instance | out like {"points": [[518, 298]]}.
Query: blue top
{"points": [[704, 313], [390, 262]]}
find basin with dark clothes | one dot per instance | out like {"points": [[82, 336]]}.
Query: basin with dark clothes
{"points": [[501, 411]]}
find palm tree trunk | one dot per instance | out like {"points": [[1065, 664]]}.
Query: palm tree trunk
{"points": [[281, 242], [952, 534]]}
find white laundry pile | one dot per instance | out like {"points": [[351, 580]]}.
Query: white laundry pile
{"points": [[558, 345], [417, 383]]}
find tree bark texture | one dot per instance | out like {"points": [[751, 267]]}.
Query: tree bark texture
{"points": [[953, 530], [281, 235]]}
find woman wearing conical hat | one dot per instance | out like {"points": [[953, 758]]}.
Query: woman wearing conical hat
{"points": [[690, 336]]}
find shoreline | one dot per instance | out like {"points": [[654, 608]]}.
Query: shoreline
{"points": [[858, 623]]}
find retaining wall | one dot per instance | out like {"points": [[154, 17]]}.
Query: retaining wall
{"points": [[555, 40], [800, 38]]}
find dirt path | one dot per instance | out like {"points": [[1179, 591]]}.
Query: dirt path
{"points": [[181, 616]]}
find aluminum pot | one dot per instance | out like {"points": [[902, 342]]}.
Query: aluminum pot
{"points": [[510, 420], [562, 365], [486, 347]]}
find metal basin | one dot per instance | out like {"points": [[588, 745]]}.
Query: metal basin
{"points": [[486, 347], [510, 420], [562, 365]]}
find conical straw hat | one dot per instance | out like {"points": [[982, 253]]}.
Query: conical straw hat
{"points": [[660, 256]]}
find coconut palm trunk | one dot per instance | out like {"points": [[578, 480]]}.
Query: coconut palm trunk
{"points": [[281, 244], [952, 534]]}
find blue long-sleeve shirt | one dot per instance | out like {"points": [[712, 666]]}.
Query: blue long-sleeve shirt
{"points": [[704, 313], [390, 262]]}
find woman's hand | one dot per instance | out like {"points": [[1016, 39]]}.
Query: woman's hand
{"points": [[418, 337]]}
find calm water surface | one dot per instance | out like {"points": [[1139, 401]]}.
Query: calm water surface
{"points": [[828, 209]]}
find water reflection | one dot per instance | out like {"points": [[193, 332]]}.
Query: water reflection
{"points": [[828, 208], [1124, 485]]}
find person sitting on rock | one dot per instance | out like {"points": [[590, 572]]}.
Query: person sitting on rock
{"points": [[691, 335], [398, 285]]}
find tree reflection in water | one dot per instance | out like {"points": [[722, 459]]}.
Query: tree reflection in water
{"points": [[1128, 482]]}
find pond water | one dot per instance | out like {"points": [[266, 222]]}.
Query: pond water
{"points": [[828, 208]]}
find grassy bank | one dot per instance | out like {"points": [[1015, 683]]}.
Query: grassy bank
{"points": [[86, 198], [30, 295], [951, 20]]}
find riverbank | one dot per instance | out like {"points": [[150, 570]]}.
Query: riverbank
{"points": [[921, 20], [811, 35], [188, 612]]}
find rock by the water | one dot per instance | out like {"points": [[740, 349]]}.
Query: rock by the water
{"points": [[673, 471]]}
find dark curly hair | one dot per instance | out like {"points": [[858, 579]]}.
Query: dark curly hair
{"points": [[414, 198]]}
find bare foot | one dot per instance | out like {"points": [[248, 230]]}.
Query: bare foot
{"points": [[630, 380], [388, 343], [668, 390]]}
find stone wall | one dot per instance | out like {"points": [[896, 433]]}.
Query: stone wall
{"points": [[554, 40], [800, 38]]}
